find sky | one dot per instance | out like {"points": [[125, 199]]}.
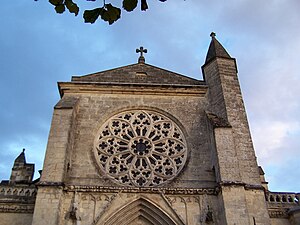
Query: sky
{"points": [[38, 48]]}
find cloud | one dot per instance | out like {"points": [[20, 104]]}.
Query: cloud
{"points": [[40, 47], [272, 138]]}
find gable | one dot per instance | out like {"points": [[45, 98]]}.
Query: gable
{"points": [[137, 73]]}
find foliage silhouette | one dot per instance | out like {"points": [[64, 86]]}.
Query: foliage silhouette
{"points": [[106, 12]]}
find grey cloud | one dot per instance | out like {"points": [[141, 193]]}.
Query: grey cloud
{"points": [[40, 47]]}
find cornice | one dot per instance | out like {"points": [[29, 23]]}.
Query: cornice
{"points": [[173, 191], [17, 208], [278, 213], [132, 88]]}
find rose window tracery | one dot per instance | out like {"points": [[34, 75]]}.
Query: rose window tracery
{"points": [[140, 148]]}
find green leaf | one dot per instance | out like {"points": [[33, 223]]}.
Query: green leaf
{"points": [[60, 8], [72, 7], [112, 14], [90, 16], [104, 15], [129, 5], [56, 2]]}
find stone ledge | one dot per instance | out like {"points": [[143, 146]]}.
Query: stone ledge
{"points": [[181, 191], [278, 213], [17, 191], [239, 183], [26, 208], [51, 184], [132, 88]]}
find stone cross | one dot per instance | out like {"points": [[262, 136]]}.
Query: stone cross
{"points": [[141, 58], [213, 34]]}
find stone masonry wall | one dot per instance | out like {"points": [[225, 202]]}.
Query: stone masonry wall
{"points": [[17, 204], [94, 110], [224, 71], [15, 218], [70, 160], [241, 192], [99, 208], [48, 206], [56, 165]]}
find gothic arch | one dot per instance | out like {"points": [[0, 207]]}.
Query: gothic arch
{"points": [[140, 210]]}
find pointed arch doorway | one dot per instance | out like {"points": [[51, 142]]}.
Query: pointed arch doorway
{"points": [[140, 212]]}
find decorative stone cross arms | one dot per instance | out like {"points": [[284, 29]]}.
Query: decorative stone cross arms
{"points": [[141, 58]]}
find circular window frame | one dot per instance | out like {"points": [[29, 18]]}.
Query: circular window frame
{"points": [[161, 159]]}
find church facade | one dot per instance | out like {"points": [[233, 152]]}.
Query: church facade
{"points": [[140, 145]]}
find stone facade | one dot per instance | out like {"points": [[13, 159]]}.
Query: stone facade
{"points": [[142, 145]]}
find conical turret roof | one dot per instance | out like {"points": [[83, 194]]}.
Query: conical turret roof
{"points": [[216, 49], [21, 157]]}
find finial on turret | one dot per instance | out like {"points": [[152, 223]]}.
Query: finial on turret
{"points": [[141, 50], [215, 49], [23, 150], [213, 34]]}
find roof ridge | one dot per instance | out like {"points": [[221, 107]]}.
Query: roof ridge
{"points": [[137, 73]]}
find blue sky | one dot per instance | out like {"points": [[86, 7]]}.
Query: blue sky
{"points": [[39, 47]]}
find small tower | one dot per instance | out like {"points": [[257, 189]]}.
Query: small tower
{"points": [[22, 172], [241, 191]]}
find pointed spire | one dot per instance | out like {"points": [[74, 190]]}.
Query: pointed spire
{"points": [[21, 172], [216, 49], [21, 157]]}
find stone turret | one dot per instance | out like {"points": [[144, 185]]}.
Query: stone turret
{"points": [[234, 157], [22, 172]]}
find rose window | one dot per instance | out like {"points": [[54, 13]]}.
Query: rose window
{"points": [[140, 148]]}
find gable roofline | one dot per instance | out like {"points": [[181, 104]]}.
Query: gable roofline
{"points": [[81, 78]]}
